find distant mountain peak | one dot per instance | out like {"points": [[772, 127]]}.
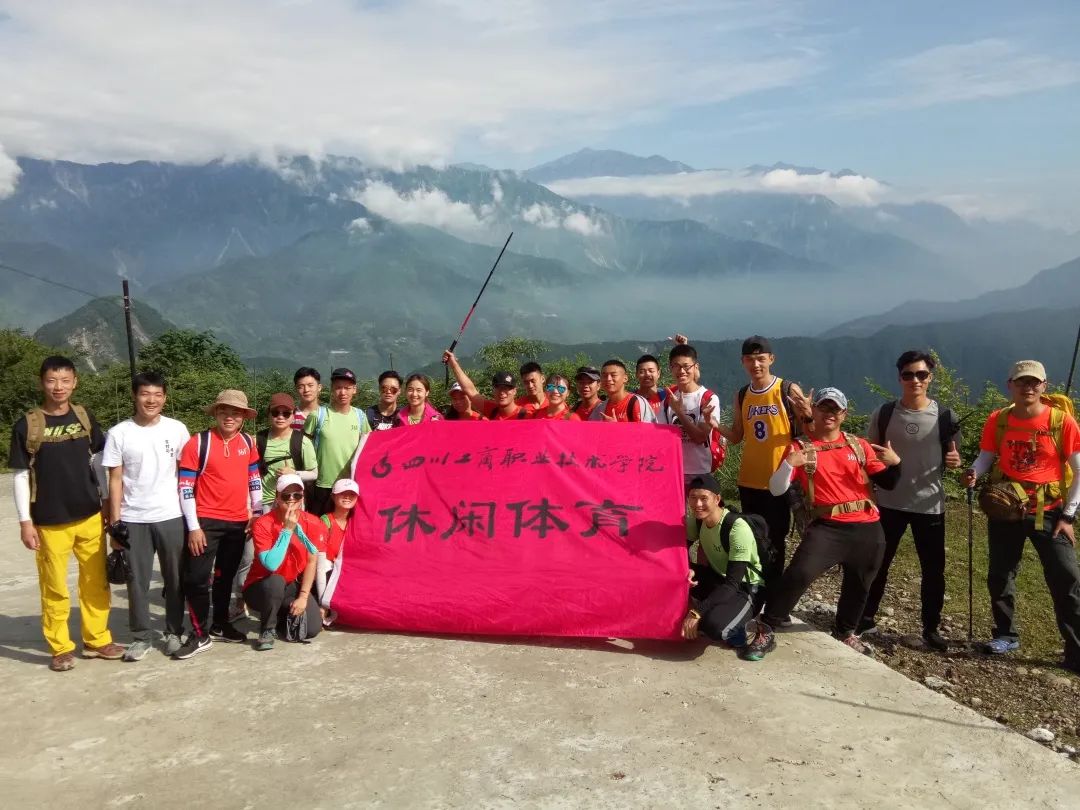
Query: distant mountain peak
{"points": [[759, 168], [603, 163]]}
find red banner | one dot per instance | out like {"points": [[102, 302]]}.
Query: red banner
{"points": [[517, 528]]}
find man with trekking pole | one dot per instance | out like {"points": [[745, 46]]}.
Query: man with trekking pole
{"points": [[1031, 448]]}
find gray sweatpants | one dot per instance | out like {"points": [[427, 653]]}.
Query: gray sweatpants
{"points": [[166, 539]]}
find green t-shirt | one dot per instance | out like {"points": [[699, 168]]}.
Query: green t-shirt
{"points": [[337, 441], [742, 542], [276, 448]]}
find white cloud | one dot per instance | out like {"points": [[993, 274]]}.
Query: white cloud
{"points": [[541, 215], [394, 83], [359, 225], [496, 190], [546, 216], [986, 68], [9, 174], [845, 190], [423, 206], [580, 223]]}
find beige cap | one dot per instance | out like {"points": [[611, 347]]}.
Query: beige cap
{"points": [[1028, 368], [234, 399]]}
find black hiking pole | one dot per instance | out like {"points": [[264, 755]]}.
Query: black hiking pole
{"points": [[1072, 365], [472, 309], [971, 569]]}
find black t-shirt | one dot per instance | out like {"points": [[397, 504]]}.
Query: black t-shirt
{"points": [[66, 487], [380, 422]]}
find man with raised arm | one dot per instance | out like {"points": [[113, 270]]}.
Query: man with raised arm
{"points": [[502, 406]]}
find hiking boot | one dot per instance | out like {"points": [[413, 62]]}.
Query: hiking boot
{"points": [[171, 644], [764, 642], [1001, 645], [935, 641], [194, 645], [110, 651], [237, 610], [853, 641], [62, 662], [866, 627], [266, 641], [137, 651], [226, 632]]}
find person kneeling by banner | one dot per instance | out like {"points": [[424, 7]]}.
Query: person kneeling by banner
{"points": [[287, 543], [1032, 448], [726, 567], [834, 472]]}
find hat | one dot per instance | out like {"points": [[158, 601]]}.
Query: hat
{"points": [[705, 482], [756, 344], [342, 374], [281, 401], [588, 371], [345, 485], [831, 395], [503, 379], [289, 480], [456, 387], [233, 399], [1028, 368]]}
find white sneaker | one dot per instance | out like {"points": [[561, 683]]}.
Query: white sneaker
{"points": [[172, 644], [237, 610], [136, 651]]}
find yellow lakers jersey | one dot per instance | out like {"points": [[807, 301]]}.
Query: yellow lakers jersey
{"points": [[766, 434]]}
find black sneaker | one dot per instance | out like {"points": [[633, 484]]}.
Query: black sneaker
{"points": [[192, 647], [935, 641], [226, 632]]}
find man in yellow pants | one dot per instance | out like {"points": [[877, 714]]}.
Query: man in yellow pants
{"points": [[59, 486]]}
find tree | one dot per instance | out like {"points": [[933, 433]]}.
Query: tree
{"points": [[181, 350], [20, 362]]}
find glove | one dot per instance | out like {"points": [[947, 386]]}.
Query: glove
{"points": [[119, 532]]}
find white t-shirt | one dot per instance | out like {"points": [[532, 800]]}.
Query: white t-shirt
{"points": [[697, 458], [148, 456]]}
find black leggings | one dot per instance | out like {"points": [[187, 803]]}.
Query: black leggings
{"points": [[777, 513], [857, 547], [928, 532], [209, 576], [729, 608], [272, 598]]}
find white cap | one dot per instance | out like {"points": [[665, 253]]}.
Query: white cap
{"points": [[345, 485], [289, 480]]}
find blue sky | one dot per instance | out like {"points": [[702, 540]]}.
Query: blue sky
{"points": [[975, 102]]}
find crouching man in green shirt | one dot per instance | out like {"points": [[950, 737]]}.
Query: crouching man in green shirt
{"points": [[726, 573]]}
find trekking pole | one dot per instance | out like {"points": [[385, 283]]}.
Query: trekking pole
{"points": [[1072, 365], [472, 309], [971, 569]]}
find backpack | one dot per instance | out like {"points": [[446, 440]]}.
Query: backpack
{"points": [[806, 512], [35, 437], [1060, 408], [717, 443], [785, 394], [296, 451], [947, 426], [767, 552], [203, 439], [321, 417]]}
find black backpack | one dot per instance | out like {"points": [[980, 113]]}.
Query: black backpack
{"points": [[766, 550], [946, 424], [296, 451]]}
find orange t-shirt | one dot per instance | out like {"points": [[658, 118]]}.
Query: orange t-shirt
{"points": [[529, 406], [492, 412], [583, 411], [565, 414], [1027, 451], [264, 533], [334, 538], [221, 490], [839, 479]]}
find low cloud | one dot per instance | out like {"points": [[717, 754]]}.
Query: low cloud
{"points": [[9, 174], [547, 216], [852, 189], [423, 206], [359, 225]]}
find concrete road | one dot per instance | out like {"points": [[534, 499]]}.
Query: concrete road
{"points": [[372, 720]]}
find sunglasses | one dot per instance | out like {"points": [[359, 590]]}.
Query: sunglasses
{"points": [[389, 390], [908, 376], [291, 496], [281, 412], [561, 389], [829, 407]]}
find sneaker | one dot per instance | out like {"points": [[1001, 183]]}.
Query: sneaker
{"points": [[110, 652], [866, 627], [935, 641], [764, 642], [787, 621], [172, 644], [853, 641], [266, 641], [1000, 645], [226, 632], [62, 662], [194, 645], [137, 651], [237, 609], [737, 638]]}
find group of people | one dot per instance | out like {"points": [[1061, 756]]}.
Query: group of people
{"points": [[255, 524]]}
